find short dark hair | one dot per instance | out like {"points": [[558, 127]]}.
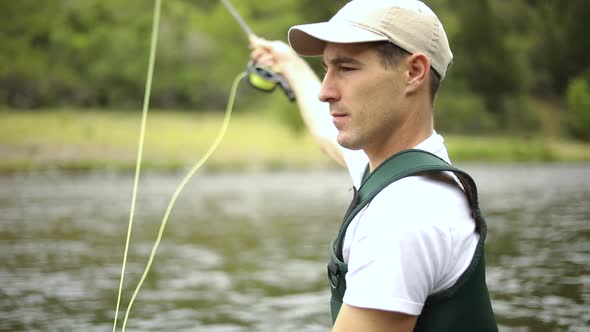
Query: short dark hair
{"points": [[391, 55]]}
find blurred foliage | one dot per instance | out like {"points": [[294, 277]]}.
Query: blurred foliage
{"points": [[578, 98], [94, 53], [463, 113]]}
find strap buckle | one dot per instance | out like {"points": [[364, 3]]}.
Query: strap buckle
{"points": [[333, 274]]}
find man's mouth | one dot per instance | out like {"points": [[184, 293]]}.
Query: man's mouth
{"points": [[336, 114], [339, 119]]}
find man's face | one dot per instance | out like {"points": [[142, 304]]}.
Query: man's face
{"points": [[366, 98]]}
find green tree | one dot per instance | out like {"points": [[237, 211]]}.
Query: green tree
{"points": [[561, 43], [25, 41], [578, 101], [484, 60]]}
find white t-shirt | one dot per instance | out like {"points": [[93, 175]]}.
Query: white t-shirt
{"points": [[414, 239]]}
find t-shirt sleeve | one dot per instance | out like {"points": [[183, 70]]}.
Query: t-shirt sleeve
{"points": [[394, 264]]}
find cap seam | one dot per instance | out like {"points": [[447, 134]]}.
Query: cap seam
{"points": [[365, 27], [434, 45]]}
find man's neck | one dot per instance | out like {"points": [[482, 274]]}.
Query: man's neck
{"points": [[410, 133]]}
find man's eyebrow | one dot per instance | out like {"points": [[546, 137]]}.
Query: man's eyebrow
{"points": [[342, 60]]}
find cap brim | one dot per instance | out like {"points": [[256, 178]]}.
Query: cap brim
{"points": [[310, 39]]}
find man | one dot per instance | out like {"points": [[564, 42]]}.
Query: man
{"points": [[412, 257]]}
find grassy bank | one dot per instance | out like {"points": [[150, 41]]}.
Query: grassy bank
{"points": [[99, 139]]}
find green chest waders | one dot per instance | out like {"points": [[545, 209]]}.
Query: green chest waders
{"points": [[466, 305]]}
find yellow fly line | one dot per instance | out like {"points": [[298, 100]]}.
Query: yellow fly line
{"points": [[197, 166]]}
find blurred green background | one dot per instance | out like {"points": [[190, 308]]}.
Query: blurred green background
{"points": [[245, 251], [521, 72]]}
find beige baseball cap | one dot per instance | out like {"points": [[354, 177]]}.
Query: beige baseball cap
{"points": [[409, 24]]}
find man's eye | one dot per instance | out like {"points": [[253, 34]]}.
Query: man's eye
{"points": [[345, 69]]}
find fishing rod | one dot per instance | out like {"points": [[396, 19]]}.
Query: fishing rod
{"points": [[259, 77]]}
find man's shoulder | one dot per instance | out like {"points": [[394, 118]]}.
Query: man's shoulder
{"points": [[424, 186], [422, 198]]}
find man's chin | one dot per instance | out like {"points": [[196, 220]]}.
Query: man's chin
{"points": [[347, 143]]}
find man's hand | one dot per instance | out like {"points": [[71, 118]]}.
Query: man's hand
{"points": [[275, 55]]}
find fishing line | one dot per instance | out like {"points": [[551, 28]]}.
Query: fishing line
{"points": [[146, 100], [197, 166]]}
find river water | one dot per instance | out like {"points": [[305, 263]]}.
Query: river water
{"points": [[247, 252]]}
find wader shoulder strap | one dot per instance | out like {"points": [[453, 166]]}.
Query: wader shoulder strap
{"points": [[403, 164], [398, 166]]}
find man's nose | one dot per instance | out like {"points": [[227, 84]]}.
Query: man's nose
{"points": [[328, 90]]}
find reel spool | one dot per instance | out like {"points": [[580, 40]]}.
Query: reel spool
{"points": [[265, 80]]}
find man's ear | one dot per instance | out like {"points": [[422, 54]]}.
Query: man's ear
{"points": [[418, 66]]}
